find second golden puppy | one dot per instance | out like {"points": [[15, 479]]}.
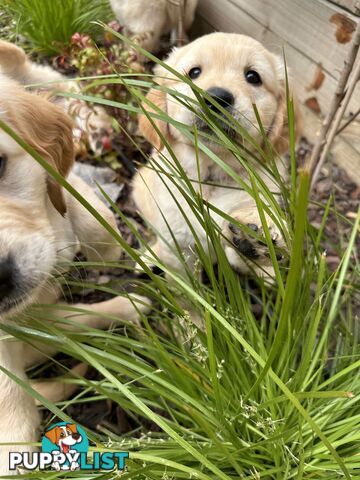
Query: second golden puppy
{"points": [[42, 228], [236, 72]]}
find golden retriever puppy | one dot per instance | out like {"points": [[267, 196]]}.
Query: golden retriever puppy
{"points": [[40, 226], [154, 18], [91, 122], [236, 71]]}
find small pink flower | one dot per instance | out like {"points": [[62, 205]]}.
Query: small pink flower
{"points": [[114, 25], [80, 40], [76, 38], [106, 143]]}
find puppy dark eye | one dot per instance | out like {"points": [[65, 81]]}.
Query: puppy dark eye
{"points": [[195, 73], [3, 160], [253, 77]]}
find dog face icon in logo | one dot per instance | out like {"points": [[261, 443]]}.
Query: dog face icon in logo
{"points": [[66, 442]]}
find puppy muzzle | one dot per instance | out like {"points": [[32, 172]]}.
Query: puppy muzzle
{"points": [[7, 277], [14, 289], [27, 257], [215, 102]]}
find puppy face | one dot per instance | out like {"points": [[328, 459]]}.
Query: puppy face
{"points": [[237, 72], [27, 240], [64, 436]]}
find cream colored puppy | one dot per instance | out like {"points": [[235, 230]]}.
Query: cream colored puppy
{"points": [[236, 71], [89, 121], [154, 18], [40, 226]]}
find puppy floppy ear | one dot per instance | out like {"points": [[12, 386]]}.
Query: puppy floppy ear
{"points": [[279, 135], [146, 127], [48, 130], [158, 99], [53, 435], [12, 60]]}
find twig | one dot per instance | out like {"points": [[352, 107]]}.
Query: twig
{"points": [[335, 125], [181, 28], [347, 123], [335, 103], [181, 6]]}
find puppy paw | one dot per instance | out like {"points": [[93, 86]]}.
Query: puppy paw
{"points": [[252, 248], [142, 304], [131, 308], [148, 260], [247, 251]]}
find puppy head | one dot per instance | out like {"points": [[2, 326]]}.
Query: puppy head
{"points": [[64, 435], [27, 241], [237, 72]]}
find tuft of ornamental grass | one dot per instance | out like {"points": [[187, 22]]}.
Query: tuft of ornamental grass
{"points": [[48, 25], [272, 396]]}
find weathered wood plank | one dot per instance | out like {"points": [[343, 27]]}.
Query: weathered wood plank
{"points": [[347, 157], [351, 5], [343, 151]]}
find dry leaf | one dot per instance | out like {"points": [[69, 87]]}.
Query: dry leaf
{"points": [[318, 79], [313, 104], [345, 27]]}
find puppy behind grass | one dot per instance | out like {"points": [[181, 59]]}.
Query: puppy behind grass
{"points": [[40, 226], [154, 18], [236, 71]]}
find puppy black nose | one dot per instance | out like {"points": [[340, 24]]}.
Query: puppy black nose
{"points": [[6, 277], [223, 97], [76, 436]]}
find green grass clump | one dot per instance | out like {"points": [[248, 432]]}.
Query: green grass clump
{"points": [[213, 390], [48, 25]]}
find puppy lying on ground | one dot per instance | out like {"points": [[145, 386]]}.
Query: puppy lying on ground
{"points": [[91, 122], [236, 72], [41, 225], [154, 18]]}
